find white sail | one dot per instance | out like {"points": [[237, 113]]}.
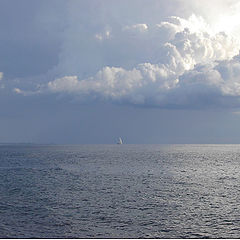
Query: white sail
{"points": [[120, 141]]}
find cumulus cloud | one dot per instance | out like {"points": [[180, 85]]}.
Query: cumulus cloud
{"points": [[119, 84], [136, 28], [177, 62]]}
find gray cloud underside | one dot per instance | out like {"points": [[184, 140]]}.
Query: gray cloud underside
{"points": [[177, 63]]}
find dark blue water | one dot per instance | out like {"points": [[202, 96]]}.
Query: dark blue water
{"points": [[120, 191]]}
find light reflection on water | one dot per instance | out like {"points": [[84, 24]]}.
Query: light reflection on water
{"points": [[119, 191]]}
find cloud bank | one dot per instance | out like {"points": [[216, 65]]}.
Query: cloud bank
{"points": [[179, 63]]}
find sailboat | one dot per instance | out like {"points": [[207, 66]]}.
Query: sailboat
{"points": [[120, 141]]}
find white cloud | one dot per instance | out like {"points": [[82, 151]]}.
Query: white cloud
{"points": [[2, 85], [104, 35], [136, 28], [18, 91]]}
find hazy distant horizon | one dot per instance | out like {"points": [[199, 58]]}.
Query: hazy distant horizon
{"points": [[59, 144]]}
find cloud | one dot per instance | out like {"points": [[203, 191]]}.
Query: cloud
{"points": [[116, 83], [174, 63], [136, 28], [2, 85], [185, 61], [214, 84]]}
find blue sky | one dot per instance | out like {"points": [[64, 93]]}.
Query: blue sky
{"points": [[150, 71]]}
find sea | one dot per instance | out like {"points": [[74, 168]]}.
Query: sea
{"points": [[119, 191]]}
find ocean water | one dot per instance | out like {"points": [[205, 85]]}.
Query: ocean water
{"points": [[120, 191]]}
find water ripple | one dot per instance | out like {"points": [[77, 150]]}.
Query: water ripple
{"points": [[131, 191]]}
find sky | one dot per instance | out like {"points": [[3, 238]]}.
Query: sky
{"points": [[148, 71]]}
